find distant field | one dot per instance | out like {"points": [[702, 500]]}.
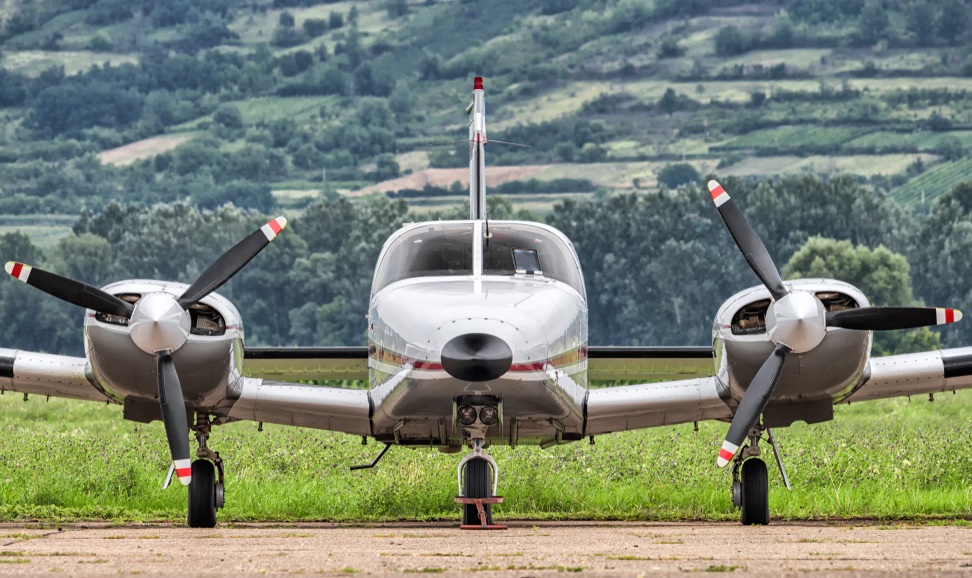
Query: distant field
{"points": [[794, 137], [864, 165], [143, 149], [44, 230], [33, 62], [924, 140], [934, 182]]}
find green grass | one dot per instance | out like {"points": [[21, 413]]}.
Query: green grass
{"points": [[934, 182], [891, 459]]}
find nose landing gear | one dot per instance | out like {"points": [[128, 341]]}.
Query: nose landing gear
{"points": [[750, 482], [477, 486], [206, 490]]}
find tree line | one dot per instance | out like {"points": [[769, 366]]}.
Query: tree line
{"points": [[657, 265]]}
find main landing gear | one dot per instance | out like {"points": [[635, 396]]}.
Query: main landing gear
{"points": [[750, 482], [206, 487]]}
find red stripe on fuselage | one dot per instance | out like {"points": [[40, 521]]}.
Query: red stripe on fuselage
{"points": [[567, 358]]}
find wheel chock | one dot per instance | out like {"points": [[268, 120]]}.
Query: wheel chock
{"points": [[478, 502]]}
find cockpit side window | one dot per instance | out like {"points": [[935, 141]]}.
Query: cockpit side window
{"points": [[434, 249]]}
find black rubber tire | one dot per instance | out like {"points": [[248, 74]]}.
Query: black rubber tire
{"points": [[477, 483], [202, 495], [755, 493]]}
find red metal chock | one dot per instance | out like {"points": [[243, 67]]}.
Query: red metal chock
{"points": [[478, 502]]}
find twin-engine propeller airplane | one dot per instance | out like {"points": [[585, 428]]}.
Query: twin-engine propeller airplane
{"points": [[477, 336]]}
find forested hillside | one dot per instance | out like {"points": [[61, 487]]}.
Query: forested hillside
{"points": [[847, 119]]}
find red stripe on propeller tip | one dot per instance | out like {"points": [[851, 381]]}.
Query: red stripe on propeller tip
{"points": [[17, 268]]}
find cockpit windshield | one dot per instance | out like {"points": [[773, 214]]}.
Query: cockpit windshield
{"points": [[442, 249], [431, 250], [526, 249]]}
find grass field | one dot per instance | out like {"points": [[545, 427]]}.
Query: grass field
{"points": [[890, 459]]}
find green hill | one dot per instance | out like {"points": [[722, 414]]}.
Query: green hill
{"points": [[254, 103]]}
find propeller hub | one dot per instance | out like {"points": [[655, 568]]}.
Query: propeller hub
{"points": [[797, 320], [159, 323]]}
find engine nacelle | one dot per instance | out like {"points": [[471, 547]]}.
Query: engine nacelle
{"points": [[209, 362], [810, 380]]}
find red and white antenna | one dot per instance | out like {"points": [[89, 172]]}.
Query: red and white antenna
{"points": [[477, 143]]}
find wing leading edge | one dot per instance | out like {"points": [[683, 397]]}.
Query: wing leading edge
{"points": [[50, 375], [915, 374]]}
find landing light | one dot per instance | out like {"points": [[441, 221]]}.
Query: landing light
{"points": [[488, 415], [467, 415]]}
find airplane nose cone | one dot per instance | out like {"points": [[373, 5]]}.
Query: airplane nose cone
{"points": [[476, 357]]}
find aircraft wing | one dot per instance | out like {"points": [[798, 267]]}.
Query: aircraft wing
{"points": [[269, 394], [915, 374], [302, 405], [306, 363], [44, 374], [628, 407]]}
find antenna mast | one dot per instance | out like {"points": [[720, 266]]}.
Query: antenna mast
{"points": [[477, 143]]}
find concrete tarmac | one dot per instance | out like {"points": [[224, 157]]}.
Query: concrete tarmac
{"points": [[526, 549]]}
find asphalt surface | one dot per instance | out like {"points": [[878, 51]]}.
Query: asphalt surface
{"points": [[533, 549]]}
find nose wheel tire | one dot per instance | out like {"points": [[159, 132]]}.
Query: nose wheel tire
{"points": [[755, 493], [202, 495], [477, 483]]}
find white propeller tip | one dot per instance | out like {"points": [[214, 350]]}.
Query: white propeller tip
{"points": [[273, 228], [719, 195], [18, 270], [947, 315], [726, 453], [183, 469]]}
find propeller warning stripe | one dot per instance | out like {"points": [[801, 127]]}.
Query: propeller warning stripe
{"points": [[273, 228], [18, 270], [183, 469], [947, 315], [719, 195], [727, 452]]}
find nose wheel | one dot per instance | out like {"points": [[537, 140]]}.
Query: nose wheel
{"points": [[750, 483], [206, 493], [478, 476]]}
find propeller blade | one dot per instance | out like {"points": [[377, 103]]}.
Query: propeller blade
{"points": [[231, 262], [753, 403], [70, 290], [174, 415], [890, 318], [748, 241]]}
